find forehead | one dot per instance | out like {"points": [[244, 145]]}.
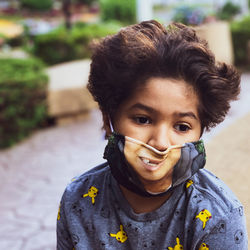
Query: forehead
{"points": [[165, 94]]}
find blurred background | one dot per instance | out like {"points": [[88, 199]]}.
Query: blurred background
{"points": [[50, 128]]}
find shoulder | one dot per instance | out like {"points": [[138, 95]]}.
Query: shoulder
{"points": [[82, 200], [214, 190], [215, 212], [93, 179], [207, 192]]}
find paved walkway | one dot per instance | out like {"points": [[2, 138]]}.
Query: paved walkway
{"points": [[33, 176], [34, 173]]}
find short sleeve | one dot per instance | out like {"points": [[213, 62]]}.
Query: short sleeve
{"points": [[229, 233]]}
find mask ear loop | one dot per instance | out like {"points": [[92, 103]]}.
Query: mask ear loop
{"points": [[110, 125], [111, 128]]}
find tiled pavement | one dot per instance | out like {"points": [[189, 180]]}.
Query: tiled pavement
{"points": [[34, 173], [33, 176]]}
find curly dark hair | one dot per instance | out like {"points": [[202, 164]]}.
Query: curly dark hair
{"points": [[138, 52]]}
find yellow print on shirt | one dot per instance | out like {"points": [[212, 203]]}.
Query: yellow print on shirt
{"points": [[121, 236], [58, 214], [204, 215], [189, 183], [178, 246], [92, 193], [204, 246]]}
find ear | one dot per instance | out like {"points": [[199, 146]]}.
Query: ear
{"points": [[106, 124]]}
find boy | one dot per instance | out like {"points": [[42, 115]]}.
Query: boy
{"points": [[158, 89]]}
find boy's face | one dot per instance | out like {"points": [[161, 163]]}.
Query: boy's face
{"points": [[162, 112]]}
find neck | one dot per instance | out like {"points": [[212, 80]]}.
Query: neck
{"points": [[142, 204]]}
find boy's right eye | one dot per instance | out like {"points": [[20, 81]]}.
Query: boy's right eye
{"points": [[142, 120]]}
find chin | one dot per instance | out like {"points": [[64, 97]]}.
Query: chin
{"points": [[156, 183]]}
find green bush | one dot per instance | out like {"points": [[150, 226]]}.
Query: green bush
{"points": [[11, 41], [54, 47], [16, 41], [87, 2], [42, 5], [62, 45], [120, 10], [228, 11], [240, 36], [23, 88]]}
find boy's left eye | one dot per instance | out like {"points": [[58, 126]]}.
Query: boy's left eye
{"points": [[182, 127]]}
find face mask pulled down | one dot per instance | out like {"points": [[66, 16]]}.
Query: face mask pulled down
{"points": [[131, 161]]}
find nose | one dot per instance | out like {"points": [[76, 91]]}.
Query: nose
{"points": [[160, 138]]}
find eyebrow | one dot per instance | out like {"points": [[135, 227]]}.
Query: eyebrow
{"points": [[143, 107], [152, 110], [186, 114]]}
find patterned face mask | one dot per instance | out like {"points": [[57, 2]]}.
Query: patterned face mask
{"points": [[125, 155]]}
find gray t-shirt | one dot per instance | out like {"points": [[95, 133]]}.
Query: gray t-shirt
{"points": [[201, 214]]}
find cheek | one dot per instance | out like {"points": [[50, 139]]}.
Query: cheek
{"points": [[179, 138], [197, 132], [141, 134], [129, 128], [124, 129], [121, 125]]}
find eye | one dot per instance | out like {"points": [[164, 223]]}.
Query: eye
{"points": [[182, 127], [142, 120]]}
